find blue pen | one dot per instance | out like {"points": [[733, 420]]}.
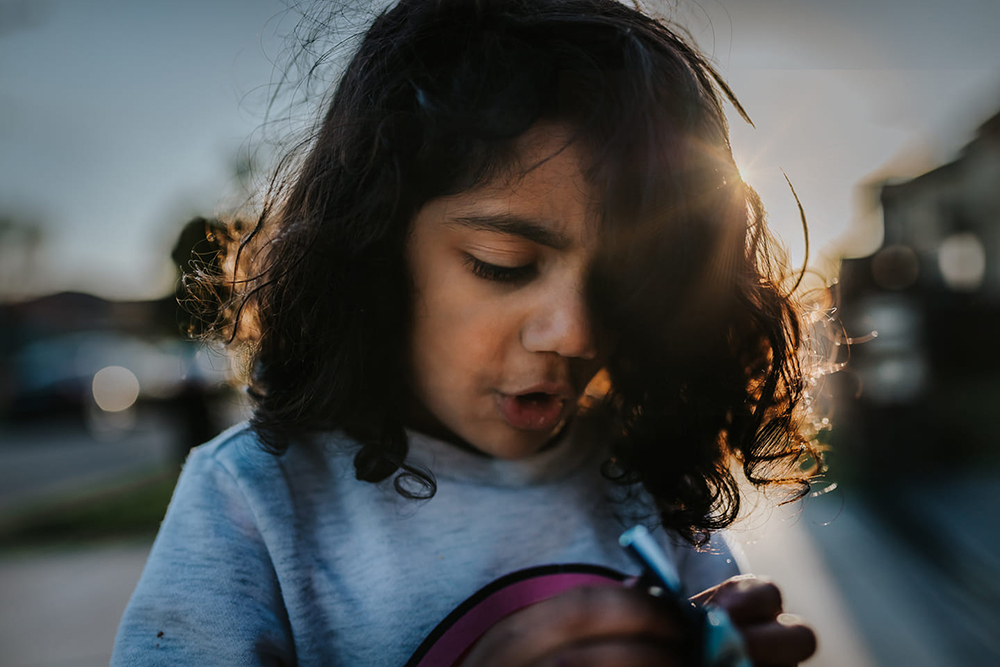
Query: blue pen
{"points": [[716, 641]]}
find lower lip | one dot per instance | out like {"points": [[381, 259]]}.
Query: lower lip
{"points": [[531, 412]]}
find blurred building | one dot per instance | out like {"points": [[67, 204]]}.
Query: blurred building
{"points": [[916, 415], [923, 391]]}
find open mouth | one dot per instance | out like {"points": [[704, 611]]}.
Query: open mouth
{"points": [[532, 411]]}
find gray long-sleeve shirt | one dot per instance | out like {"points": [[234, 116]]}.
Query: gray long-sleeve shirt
{"points": [[266, 560]]}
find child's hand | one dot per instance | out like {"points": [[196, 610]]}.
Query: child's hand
{"points": [[623, 626], [754, 606], [583, 626]]}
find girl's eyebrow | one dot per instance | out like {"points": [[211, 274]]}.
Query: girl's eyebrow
{"points": [[526, 228]]}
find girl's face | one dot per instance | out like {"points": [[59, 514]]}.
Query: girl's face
{"points": [[501, 346]]}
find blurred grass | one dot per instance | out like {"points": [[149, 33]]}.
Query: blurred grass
{"points": [[132, 508]]}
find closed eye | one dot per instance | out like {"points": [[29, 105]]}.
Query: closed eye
{"points": [[500, 274]]}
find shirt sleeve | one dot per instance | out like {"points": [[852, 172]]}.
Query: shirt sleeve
{"points": [[209, 594]]}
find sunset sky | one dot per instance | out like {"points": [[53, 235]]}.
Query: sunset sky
{"points": [[119, 120]]}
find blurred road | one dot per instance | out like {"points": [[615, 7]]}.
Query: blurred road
{"points": [[913, 569], [61, 609], [57, 459], [919, 565]]}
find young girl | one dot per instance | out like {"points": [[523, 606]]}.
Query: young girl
{"points": [[514, 299]]}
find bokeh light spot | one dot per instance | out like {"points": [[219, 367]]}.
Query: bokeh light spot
{"points": [[115, 388], [962, 260]]}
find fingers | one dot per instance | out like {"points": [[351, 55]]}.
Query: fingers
{"points": [[578, 622], [620, 626], [785, 641], [773, 639], [746, 599], [750, 600]]}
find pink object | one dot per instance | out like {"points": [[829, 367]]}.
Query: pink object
{"points": [[456, 640]]}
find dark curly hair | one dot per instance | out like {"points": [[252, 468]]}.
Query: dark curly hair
{"points": [[686, 293]]}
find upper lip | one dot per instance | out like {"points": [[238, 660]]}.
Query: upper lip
{"points": [[560, 389]]}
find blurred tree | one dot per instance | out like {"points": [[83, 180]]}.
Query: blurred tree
{"points": [[20, 240], [198, 254]]}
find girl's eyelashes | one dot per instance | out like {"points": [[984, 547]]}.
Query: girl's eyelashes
{"points": [[500, 274]]}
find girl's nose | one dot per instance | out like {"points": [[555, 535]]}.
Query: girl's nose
{"points": [[561, 325]]}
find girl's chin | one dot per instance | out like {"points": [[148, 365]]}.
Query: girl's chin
{"points": [[498, 438], [520, 444]]}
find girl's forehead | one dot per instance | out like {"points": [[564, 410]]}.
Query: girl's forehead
{"points": [[546, 140], [544, 195], [548, 155]]}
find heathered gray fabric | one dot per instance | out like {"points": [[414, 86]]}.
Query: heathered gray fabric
{"points": [[265, 560]]}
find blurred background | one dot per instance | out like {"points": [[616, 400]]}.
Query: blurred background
{"points": [[128, 129]]}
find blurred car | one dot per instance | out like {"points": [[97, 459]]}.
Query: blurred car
{"points": [[88, 372]]}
